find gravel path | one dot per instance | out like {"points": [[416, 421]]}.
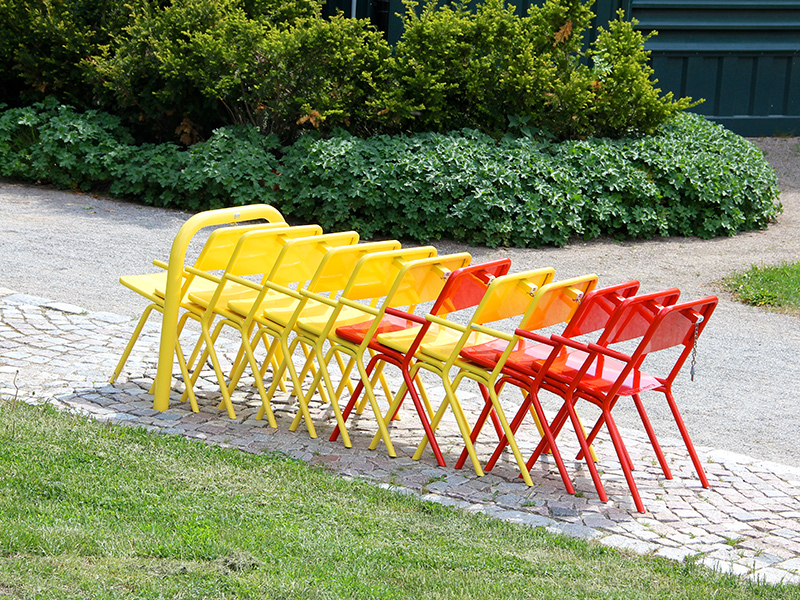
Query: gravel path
{"points": [[73, 247]]}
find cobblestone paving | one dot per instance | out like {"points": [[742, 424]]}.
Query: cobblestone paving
{"points": [[747, 522]]}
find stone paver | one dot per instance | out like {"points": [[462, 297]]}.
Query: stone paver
{"points": [[746, 523]]}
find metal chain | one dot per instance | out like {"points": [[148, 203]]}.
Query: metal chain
{"points": [[694, 348]]}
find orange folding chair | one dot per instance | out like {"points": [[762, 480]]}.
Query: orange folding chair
{"points": [[464, 288], [605, 374], [530, 368], [418, 282]]}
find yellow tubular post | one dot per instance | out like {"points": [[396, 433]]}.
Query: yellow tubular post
{"points": [[172, 293]]}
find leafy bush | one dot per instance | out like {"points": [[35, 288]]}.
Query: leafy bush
{"points": [[42, 43], [474, 69], [236, 166], [56, 144], [53, 143], [691, 178], [626, 100], [166, 69], [195, 64], [323, 74], [178, 70]]}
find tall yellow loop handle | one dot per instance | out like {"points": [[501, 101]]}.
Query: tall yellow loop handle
{"points": [[172, 297]]}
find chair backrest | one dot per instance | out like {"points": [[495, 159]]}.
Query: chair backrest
{"points": [[597, 308], [678, 325], [300, 258], [376, 273], [466, 287], [256, 251], [423, 280], [510, 295], [635, 315], [219, 246], [338, 264], [557, 302], [674, 325]]}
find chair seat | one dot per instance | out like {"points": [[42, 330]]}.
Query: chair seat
{"points": [[356, 332], [486, 354], [152, 285], [231, 292], [441, 347], [531, 357], [402, 339], [272, 302], [314, 322], [437, 342], [601, 380], [198, 284], [281, 312]]}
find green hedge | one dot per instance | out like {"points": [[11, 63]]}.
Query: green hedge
{"points": [[56, 144], [691, 178]]}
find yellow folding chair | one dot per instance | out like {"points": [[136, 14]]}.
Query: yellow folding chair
{"points": [[552, 304], [506, 297], [369, 282], [418, 282], [254, 254], [294, 267], [276, 321]]}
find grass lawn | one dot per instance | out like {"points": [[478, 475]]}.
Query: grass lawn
{"points": [[772, 286], [93, 511]]}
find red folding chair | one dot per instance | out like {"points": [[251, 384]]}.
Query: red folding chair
{"points": [[464, 288], [606, 375], [521, 366]]}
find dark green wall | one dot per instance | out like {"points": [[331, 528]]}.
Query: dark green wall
{"points": [[742, 56]]}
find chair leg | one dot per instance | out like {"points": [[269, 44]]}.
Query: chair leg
{"points": [[250, 359], [132, 342], [212, 354], [378, 377], [569, 405], [437, 417], [322, 368], [198, 345], [547, 434], [637, 401], [288, 364], [526, 407], [463, 425], [370, 394], [345, 382], [524, 472], [619, 446], [354, 396], [422, 409], [186, 377], [686, 439], [488, 409]]}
